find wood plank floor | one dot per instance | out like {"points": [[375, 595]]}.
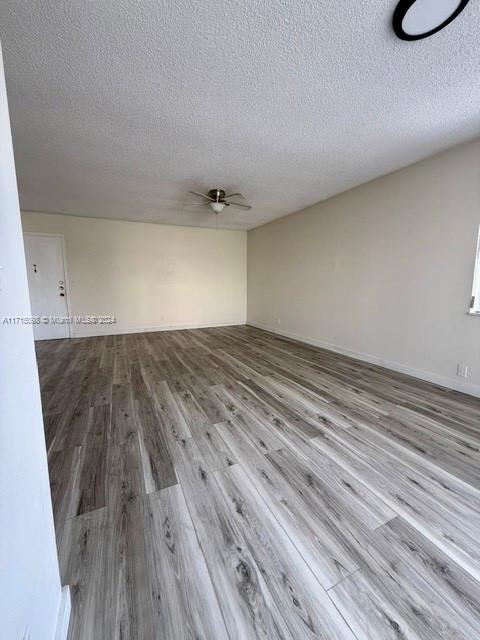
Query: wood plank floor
{"points": [[230, 484]]}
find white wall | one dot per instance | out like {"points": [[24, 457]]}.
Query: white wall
{"points": [[383, 271], [30, 590], [150, 276]]}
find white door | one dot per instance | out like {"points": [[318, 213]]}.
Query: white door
{"points": [[46, 282]]}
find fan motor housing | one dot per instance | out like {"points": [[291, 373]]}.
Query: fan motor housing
{"points": [[217, 194]]}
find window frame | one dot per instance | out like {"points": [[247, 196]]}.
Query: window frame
{"points": [[474, 309]]}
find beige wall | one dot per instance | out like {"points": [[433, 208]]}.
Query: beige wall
{"points": [[30, 591], [383, 271], [150, 276]]}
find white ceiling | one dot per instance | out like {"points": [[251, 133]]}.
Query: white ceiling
{"points": [[119, 107]]}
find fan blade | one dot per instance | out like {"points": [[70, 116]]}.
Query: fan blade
{"points": [[230, 195], [203, 195], [238, 205]]}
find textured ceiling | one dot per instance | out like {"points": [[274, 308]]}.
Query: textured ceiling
{"points": [[119, 107]]}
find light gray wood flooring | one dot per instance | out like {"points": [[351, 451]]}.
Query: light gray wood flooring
{"points": [[230, 484]]}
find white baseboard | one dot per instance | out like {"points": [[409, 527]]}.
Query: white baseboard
{"points": [[113, 330], [63, 619], [429, 376]]}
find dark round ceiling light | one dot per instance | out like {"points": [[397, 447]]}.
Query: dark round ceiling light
{"points": [[417, 19]]}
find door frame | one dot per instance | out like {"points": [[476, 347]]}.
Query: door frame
{"points": [[65, 271]]}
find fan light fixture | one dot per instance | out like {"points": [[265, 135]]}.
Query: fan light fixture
{"points": [[417, 19], [217, 207]]}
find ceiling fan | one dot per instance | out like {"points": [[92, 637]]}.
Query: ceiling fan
{"points": [[217, 200]]}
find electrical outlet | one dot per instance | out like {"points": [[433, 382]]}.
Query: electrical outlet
{"points": [[462, 370]]}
